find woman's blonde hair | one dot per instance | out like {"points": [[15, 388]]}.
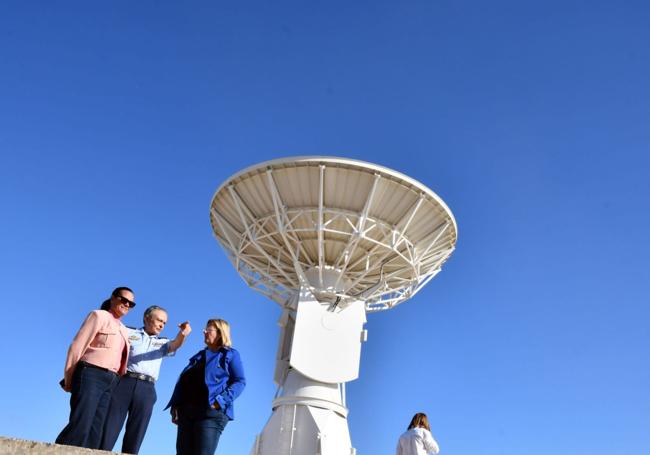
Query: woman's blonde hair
{"points": [[224, 330], [419, 420]]}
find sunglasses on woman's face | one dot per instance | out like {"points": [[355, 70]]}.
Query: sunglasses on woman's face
{"points": [[125, 301]]}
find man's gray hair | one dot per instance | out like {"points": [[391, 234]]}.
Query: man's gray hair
{"points": [[151, 309]]}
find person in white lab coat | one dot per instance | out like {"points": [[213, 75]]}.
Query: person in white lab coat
{"points": [[417, 439]]}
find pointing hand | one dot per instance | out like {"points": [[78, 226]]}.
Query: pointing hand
{"points": [[185, 328]]}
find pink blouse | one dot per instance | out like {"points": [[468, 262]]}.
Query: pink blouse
{"points": [[103, 341]]}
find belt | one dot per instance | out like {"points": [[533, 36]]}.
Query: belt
{"points": [[84, 364], [142, 377]]}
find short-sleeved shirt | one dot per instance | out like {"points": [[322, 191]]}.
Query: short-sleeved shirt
{"points": [[146, 352]]}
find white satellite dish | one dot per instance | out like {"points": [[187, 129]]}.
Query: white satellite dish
{"points": [[329, 239]]}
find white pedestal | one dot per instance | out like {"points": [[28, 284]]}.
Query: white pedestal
{"points": [[308, 418]]}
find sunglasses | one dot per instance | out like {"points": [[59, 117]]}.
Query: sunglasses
{"points": [[125, 301]]}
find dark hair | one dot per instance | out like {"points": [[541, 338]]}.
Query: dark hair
{"points": [[420, 420], [106, 304]]}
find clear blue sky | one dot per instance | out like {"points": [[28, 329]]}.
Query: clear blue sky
{"points": [[118, 121]]}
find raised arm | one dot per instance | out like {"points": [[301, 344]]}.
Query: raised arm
{"points": [[183, 332]]}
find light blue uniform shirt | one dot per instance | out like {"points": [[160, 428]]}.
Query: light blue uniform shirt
{"points": [[146, 352]]}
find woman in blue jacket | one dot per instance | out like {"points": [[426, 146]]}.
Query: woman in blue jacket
{"points": [[202, 402]]}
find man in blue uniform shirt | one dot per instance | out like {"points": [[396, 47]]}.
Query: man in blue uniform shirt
{"points": [[135, 394]]}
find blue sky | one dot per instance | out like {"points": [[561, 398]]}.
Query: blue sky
{"points": [[118, 121]]}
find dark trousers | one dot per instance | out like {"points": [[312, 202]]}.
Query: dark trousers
{"points": [[199, 430], [91, 394], [133, 397]]}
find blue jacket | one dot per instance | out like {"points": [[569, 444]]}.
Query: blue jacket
{"points": [[224, 377]]}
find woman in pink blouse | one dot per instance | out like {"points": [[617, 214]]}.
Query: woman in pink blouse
{"points": [[96, 358]]}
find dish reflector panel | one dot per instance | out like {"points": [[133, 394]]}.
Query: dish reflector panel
{"points": [[289, 220]]}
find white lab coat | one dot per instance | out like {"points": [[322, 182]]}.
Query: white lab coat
{"points": [[417, 441]]}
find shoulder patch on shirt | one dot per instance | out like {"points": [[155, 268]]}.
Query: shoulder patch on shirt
{"points": [[134, 338]]}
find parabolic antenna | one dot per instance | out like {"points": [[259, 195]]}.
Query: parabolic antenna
{"points": [[329, 239]]}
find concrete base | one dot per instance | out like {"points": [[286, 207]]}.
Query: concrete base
{"points": [[12, 446]]}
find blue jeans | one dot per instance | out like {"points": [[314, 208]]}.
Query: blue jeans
{"points": [[91, 395], [133, 397], [199, 430]]}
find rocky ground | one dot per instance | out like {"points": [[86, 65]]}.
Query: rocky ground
{"points": [[11, 446]]}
